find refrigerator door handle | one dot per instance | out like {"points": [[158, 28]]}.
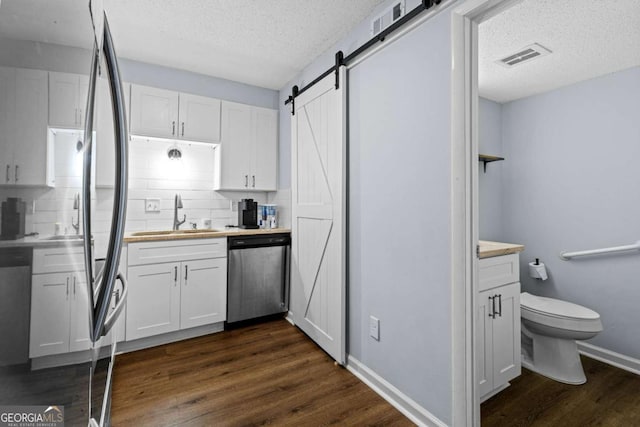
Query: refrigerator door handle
{"points": [[100, 292], [113, 316]]}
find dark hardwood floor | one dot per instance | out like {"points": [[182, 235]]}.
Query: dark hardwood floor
{"points": [[269, 373], [611, 397]]}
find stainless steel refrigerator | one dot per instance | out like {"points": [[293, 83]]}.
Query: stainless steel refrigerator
{"points": [[42, 38]]}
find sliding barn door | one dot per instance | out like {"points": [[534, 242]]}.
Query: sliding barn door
{"points": [[318, 182]]}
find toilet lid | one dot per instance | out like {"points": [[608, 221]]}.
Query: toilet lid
{"points": [[554, 307]]}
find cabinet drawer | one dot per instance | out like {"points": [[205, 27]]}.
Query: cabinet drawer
{"points": [[57, 260], [176, 250], [498, 271]]}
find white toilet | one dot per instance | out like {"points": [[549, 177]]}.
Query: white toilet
{"points": [[550, 328]]}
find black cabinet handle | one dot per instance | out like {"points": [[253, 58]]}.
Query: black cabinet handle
{"points": [[500, 305], [493, 306]]}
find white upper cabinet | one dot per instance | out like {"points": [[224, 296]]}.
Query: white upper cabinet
{"points": [[23, 128], [154, 112], [67, 100], [199, 118], [264, 175], [247, 156], [234, 162], [105, 139], [163, 113]]}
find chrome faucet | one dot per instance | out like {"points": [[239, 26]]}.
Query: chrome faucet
{"points": [[76, 207], [177, 204]]}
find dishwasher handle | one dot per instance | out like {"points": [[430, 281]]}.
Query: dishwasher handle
{"points": [[260, 241]]}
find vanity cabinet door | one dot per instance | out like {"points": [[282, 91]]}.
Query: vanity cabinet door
{"points": [[506, 335], [484, 343]]}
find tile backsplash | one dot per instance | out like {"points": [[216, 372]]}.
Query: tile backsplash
{"points": [[151, 176]]}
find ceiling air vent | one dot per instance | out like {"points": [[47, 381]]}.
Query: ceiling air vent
{"points": [[525, 55], [388, 17]]}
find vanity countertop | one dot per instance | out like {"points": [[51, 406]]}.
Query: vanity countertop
{"points": [[490, 249]]}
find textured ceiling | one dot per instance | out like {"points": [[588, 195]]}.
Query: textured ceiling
{"points": [[588, 38], [259, 42]]}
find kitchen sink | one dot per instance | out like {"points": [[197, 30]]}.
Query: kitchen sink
{"points": [[64, 237], [168, 232], [196, 231], [151, 233]]}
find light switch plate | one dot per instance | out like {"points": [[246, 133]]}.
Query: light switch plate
{"points": [[152, 205], [374, 328]]}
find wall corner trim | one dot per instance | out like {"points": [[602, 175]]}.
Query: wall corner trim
{"points": [[391, 394], [610, 357]]}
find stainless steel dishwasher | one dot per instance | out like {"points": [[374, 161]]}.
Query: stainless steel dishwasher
{"points": [[258, 282]]}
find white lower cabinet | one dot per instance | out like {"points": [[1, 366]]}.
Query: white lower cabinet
{"points": [[169, 296], [153, 303], [203, 300], [497, 336], [50, 314], [60, 303]]}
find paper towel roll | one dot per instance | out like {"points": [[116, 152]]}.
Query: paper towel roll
{"points": [[538, 271]]}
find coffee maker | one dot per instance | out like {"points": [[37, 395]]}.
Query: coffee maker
{"points": [[13, 218], [247, 213]]}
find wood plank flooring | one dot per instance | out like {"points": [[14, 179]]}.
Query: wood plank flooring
{"points": [[611, 397], [269, 373]]}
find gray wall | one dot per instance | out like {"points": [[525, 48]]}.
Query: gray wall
{"points": [[572, 182], [490, 182], [399, 130], [25, 54]]}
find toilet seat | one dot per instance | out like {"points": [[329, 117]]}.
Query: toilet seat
{"points": [[559, 314]]}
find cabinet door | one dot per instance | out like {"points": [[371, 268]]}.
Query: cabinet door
{"points": [[265, 149], [153, 303], [105, 148], [484, 343], [49, 330], [63, 100], [506, 334], [154, 112], [32, 151], [235, 148], [7, 123], [199, 118], [79, 316], [204, 292]]}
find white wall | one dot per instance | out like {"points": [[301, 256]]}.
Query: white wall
{"points": [[399, 253], [571, 181], [490, 182]]}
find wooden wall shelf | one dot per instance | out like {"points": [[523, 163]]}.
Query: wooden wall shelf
{"points": [[485, 158]]}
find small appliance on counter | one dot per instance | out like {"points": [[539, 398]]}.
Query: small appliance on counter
{"points": [[267, 216], [13, 219], [247, 214]]}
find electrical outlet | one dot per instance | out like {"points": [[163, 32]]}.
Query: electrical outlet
{"points": [[152, 205], [374, 328]]}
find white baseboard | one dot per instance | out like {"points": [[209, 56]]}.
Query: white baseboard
{"points": [[610, 357], [395, 397]]}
